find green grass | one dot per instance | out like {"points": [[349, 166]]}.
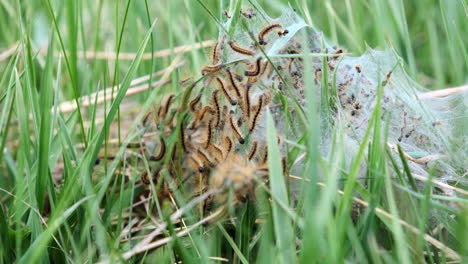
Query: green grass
{"points": [[85, 217]]}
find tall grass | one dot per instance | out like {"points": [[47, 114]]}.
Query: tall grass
{"points": [[84, 219]]}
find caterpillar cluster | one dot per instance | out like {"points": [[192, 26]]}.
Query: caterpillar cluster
{"points": [[215, 147]]}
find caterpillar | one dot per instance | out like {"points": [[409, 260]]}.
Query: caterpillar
{"points": [[228, 145], [257, 114], [206, 109], [146, 117], [194, 102], [209, 135], [167, 105], [217, 109], [182, 137], [206, 161], [247, 100], [236, 131], [161, 153], [224, 115], [265, 155], [265, 31], [223, 87], [252, 151], [215, 55], [256, 69], [233, 82], [212, 69], [200, 115], [235, 47]]}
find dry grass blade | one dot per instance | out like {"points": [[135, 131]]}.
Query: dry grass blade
{"points": [[219, 259], [70, 106], [8, 52], [109, 55], [146, 56], [440, 184], [444, 92], [127, 230], [183, 222], [139, 249], [176, 215]]}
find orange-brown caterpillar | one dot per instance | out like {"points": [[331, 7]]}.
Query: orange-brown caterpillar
{"points": [[182, 137], [284, 164], [257, 114], [212, 68], [161, 153], [206, 161], [216, 53], [237, 133], [201, 115], [206, 109], [218, 152], [240, 49], [265, 155], [145, 178], [209, 135], [194, 102], [228, 145], [217, 109], [233, 82], [146, 117], [223, 87], [169, 121], [265, 31], [160, 111], [164, 109], [168, 103], [247, 100], [256, 69], [223, 117], [252, 151]]}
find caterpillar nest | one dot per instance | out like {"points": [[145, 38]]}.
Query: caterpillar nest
{"points": [[217, 125]]}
